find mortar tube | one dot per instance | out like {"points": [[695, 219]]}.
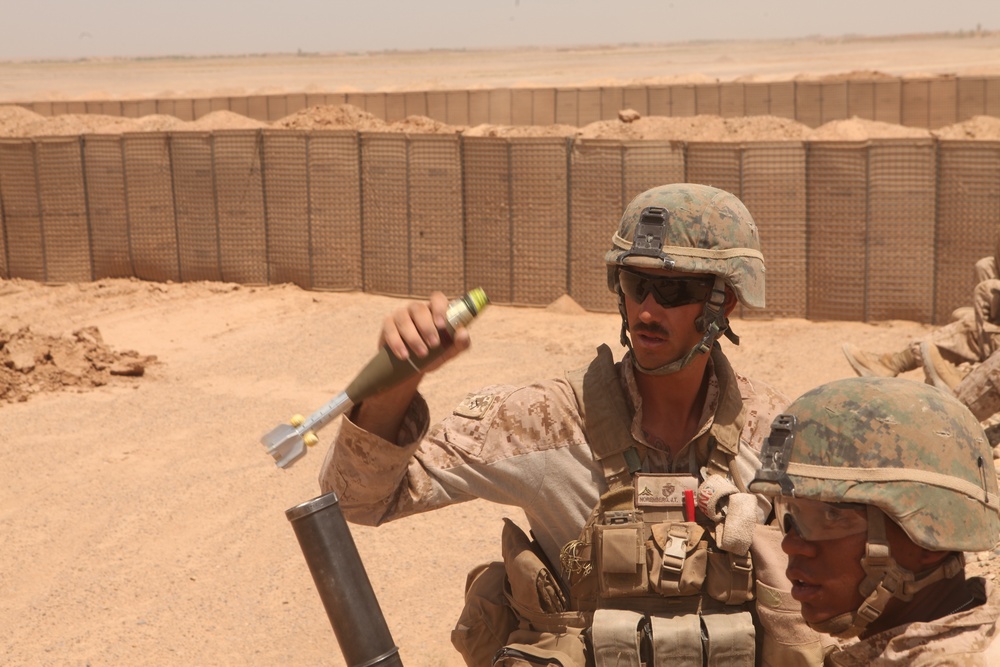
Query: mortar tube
{"points": [[343, 583]]}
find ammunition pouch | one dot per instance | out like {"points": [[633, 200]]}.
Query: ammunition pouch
{"points": [[517, 615], [677, 554], [487, 620], [669, 559]]}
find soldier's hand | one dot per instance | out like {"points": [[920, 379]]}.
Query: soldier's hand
{"points": [[421, 326]]}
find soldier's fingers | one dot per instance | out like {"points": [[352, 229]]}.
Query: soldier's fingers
{"points": [[461, 340], [439, 310], [401, 334]]}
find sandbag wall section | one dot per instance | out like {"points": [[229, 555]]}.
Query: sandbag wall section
{"points": [[930, 103], [882, 229]]}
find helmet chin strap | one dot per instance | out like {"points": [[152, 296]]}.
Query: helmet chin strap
{"points": [[712, 322], [884, 580]]}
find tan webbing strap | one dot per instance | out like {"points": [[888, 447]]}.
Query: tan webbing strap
{"points": [[616, 637], [677, 640], [730, 639], [704, 253], [607, 417], [895, 475], [729, 418]]}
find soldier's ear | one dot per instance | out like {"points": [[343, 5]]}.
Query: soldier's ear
{"points": [[909, 554], [929, 559]]}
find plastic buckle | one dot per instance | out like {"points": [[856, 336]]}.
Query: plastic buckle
{"points": [[674, 553]]}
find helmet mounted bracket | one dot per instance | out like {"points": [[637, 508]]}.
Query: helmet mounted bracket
{"points": [[647, 241]]}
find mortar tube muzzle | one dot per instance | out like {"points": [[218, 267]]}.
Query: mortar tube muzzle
{"points": [[343, 583]]}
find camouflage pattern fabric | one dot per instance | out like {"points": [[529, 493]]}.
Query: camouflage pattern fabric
{"points": [[524, 447], [975, 335], [986, 268], [961, 341], [980, 389], [708, 231], [519, 446], [962, 639], [906, 447]]}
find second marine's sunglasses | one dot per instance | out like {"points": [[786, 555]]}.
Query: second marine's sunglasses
{"points": [[668, 291]]}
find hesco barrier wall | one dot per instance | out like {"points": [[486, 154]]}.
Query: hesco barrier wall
{"points": [[931, 103], [871, 230]]}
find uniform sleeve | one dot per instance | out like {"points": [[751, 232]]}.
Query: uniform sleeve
{"points": [[493, 446]]}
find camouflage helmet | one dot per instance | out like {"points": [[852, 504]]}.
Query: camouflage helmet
{"points": [[904, 447], [692, 228]]}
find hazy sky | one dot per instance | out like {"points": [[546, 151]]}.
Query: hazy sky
{"points": [[41, 29]]}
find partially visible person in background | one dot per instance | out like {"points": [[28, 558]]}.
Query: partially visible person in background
{"points": [[955, 347], [880, 485], [979, 390]]}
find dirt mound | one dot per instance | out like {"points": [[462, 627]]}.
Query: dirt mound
{"points": [[19, 122], [331, 117], [423, 125], [983, 128], [488, 130], [858, 75], [566, 305], [32, 363], [224, 120], [860, 129], [698, 128]]}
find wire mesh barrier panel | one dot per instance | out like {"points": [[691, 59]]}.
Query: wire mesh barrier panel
{"points": [[968, 211], [774, 189], [929, 102], [25, 242], [489, 262], [605, 176], [63, 206], [385, 230], [863, 230], [435, 214], [239, 192], [837, 228], [597, 198], [150, 202], [538, 173], [900, 240], [194, 203], [335, 210], [107, 209], [4, 272], [286, 207]]}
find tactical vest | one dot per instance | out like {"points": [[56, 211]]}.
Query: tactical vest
{"points": [[665, 557], [661, 573]]}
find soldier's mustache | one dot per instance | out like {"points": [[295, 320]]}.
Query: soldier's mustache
{"points": [[650, 328]]}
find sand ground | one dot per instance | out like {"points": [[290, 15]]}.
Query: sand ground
{"points": [[143, 523], [455, 70]]}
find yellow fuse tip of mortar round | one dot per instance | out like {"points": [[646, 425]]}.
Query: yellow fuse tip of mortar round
{"points": [[479, 298], [298, 420], [310, 438]]}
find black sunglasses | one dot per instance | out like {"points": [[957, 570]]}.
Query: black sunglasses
{"points": [[668, 291]]}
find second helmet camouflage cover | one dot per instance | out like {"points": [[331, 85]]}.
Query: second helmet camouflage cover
{"points": [[908, 448]]}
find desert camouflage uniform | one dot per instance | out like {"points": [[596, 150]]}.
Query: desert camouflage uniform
{"points": [[968, 638], [527, 447], [973, 336], [519, 446], [966, 340], [980, 389]]}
